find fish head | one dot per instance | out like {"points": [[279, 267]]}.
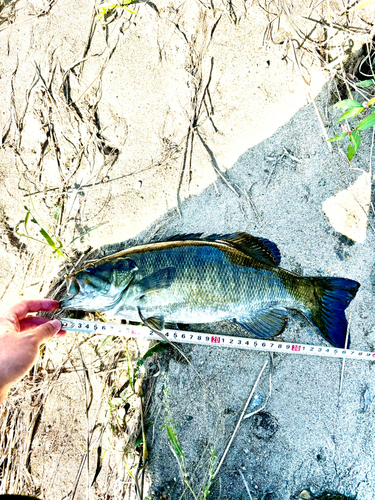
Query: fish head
{"points": [[99, 286]]}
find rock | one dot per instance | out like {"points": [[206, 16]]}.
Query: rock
{"points": [[256, 401], [348, 210], [305, 495]]}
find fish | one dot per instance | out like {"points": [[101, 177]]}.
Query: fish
{"points": [[195, 279]]}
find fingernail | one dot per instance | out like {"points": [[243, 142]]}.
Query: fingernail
{"points": [[56, 324]]}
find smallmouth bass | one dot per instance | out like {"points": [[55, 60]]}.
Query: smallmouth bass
{"points": [[190, 279]]}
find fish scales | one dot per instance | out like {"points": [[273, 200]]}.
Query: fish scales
{"points": [[194, 280], [208, 285]]}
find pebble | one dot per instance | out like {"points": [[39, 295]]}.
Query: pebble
{"points": [[256, 401], [305, 495]]}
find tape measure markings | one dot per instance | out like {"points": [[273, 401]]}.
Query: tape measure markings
{"points": [[207, 339]]}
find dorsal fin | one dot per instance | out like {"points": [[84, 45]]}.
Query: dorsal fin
{"points": [[260, 248], [184, 237]]}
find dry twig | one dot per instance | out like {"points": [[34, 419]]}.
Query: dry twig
{"points": [[240, 420]]}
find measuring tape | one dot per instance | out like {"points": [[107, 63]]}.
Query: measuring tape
{"points": [[143, 332]]}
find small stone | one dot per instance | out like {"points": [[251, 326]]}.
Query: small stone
{"points": [[138, 185], [256, 401], [305, 495]]}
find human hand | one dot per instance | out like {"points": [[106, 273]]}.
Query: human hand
{"points": [[20, 338]]}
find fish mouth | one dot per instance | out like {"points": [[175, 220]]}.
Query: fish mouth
{"points": [[73, 289]]}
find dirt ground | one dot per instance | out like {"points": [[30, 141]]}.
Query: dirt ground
{"points": [[184, 117]]}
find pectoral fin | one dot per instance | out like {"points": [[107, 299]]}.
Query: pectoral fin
{"points": [[158, 280], [265, 323]]}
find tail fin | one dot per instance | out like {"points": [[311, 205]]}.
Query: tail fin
{"points": [[326, 308]]}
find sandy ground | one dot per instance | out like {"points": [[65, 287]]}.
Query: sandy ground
{"points": [[185, 118]]}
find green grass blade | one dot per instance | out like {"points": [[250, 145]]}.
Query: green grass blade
{"points": [[160, 346], [101, 14], [26, 221], [355, 138], [350, 152], [338, 137], [129, 366], [87, 232], [138, 441], [56, 214], [366, 83], [366, 123], [127, 467], [347, 104], [351, 113], [48, 238], [130, 11], [31, 238], [105, 341], [363, 4], [173, 438]]}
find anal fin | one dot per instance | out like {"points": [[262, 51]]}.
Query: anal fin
{"points": [[265, 323]]}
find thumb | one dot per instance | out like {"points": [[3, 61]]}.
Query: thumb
{"points": [[47, 330]]}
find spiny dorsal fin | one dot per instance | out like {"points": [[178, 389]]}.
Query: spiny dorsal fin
{"points": [[260, 248]]}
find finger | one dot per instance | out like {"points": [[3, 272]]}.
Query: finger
{"points": [[61, 333], [32, 322], [20, 310], [47, 330]]}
